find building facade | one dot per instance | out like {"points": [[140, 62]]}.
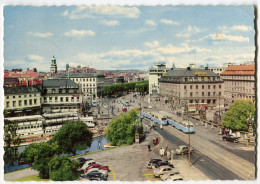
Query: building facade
{"points": [[192, 86], [23, 100], [91, 84], [155, 73], [239, 82], [61, 95]]}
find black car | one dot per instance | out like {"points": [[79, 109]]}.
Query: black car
{"points": [[230, 138], [82, 161], [161, 163], [152, 162], [95, 176]]}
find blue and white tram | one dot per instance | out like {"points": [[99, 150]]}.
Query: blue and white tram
{"points": [[124, 103], [187, 127], [159, 118], [145, 114]]}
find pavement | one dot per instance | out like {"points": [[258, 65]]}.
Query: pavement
{"points": [[128, 163]]}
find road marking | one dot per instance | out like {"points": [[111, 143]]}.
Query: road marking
{"points": [[154, 179], [113, 174], [145, 175]]}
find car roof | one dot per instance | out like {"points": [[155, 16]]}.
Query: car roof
{"points": [[182, 146], [165, 166]]}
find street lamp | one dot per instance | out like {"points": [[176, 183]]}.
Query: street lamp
{"points": [[189, 142]]}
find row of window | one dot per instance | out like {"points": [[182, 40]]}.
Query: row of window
{"points": [[62, 99], [20, 104], [84, 80], [20, 96], [186, 79], [66, 91], [239, 77], [203, 94], [202, 86], [29, 127]]}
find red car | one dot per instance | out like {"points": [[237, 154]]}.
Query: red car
{"points": [[100, 167]]}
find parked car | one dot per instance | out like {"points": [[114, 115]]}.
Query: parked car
{"points": [[162, 163], [98, 170], [95, 176], [100, 167], [88, 163], [82, 160], [230, 138], [184, 150], [166, 176], [175, 177], [152, 162], [94, 104], [165, 170]]}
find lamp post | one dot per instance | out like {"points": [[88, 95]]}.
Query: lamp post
{"points": [[189, 142]]}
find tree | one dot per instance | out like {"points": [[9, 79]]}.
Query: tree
{"points": [[237, 116], [12, 141], [63, 169], [121, 129], [40, 155], [73, 136]]}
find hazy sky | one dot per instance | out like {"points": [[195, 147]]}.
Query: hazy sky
{"points": [[114, 37]]}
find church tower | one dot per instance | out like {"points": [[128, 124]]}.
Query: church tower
{"points": [[53, 65]]}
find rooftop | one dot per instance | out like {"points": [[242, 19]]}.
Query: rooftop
{"points": [[58, 83], [239, 70], [191, 72], [22, 89]]}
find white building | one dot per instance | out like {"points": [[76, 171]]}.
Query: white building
{"points": [[155, 73]]}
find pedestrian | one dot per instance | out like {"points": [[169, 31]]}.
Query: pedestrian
{"points": [[156, 140], [166, 147], [161, 153], [168, 155], [149, 147]]}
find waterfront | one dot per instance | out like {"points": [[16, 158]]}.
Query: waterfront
{"points": [[94, 147]]}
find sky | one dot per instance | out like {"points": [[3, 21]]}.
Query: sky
{"points": [[127, 37]]}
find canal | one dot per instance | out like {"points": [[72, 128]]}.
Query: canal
{"points": [[97, 144]]}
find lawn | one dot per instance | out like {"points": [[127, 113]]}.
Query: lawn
{"points": [[32, 178]]}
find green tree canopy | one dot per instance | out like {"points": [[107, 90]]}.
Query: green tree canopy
{"points": [[12, 141], [40, 155], [121, 129], [73, 136], [237, 116], [63, 169]]}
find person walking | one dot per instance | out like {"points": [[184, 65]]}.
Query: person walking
{"points": [[168, 155], [149, 147], [161, 152]]}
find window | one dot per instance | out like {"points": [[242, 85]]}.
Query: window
{"points": [[208, 101], [202, 86], [93, 79], [25, 102], [24, 95], [77, 98], [202, 94], [214, 86], [53, 91], [185, 79], [30, 95], [7, 97], [184, 87], [72, 99], [61, 99], [89, 79], [214, 101], [35, 101], [214, 93], [190, 93], [7, 104], [34, 94], [45, 99], [56, 99], [219, 93], [67, 99], [197, 87], [13, 96], [219, 86], [190, 86], [60, 90], [208, 86], [208, 93], [50, 98], [202, 101], [20, 103], [191, 101], [30, 101], [19, 96]]}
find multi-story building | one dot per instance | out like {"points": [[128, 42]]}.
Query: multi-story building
{"points": [[18, 77], [61, 95], [239, 82], [155, 73], [91, 84], [23, 100], [192, 86]]}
